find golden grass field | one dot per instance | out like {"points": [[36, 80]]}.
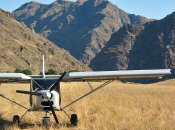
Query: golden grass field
{"points": [[122, 106]]}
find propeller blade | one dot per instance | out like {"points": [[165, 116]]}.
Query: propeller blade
{"points": [[28, 92], [53, 112], [57, 81]]}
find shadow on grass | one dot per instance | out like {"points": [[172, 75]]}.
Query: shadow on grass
{"points": [[26, 126], [5, 124]]}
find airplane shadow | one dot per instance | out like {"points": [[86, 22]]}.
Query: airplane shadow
{"points": [[5, 124], [26, 126]]}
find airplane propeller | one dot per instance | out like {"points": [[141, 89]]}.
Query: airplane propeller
{"points": [[52, 88], [27, 92], [45, 94], [55, 85], [53, 111]]}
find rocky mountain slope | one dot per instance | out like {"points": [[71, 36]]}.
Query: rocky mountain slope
{"points": [[151, 46], [22, 48], [155, 46], [115, 55], [82, 27]]}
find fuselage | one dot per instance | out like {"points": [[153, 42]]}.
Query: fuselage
{"points": [[42, 86]]}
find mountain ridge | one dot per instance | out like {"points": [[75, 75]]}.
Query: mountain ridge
{"points": [[22, 48], [82, 27], [158, 38], [152, 48]]}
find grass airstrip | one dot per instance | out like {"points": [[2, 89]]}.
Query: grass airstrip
{"points": [[122, 106]]}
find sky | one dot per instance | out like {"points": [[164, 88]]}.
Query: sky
{"points": [[156, 9]]}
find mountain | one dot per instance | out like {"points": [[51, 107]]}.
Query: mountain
{"points": [[155, 46], [115, 55], [82, 27], [22, 48], [151, 46]]}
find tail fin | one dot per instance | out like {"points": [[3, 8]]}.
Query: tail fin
{"points": [[43, 73]]}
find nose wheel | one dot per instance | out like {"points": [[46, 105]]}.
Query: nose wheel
{"points": [[73, 120], [46, 121]]}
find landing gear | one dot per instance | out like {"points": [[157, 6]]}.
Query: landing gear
{"points": [[16, 120], [74, 119], [46, 121]]}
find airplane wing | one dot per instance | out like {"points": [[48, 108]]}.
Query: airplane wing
{"points": [[46, 76], [115, 75], [110, 76], [95, 75], [13, 77]]}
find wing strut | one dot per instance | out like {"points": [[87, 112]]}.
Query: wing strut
{"points": [[14, 102], [90, 85], [101, 86]]}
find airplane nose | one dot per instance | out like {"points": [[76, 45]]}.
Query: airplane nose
{"points": [[46, 95]]}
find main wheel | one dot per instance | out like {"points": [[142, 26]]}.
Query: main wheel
{"points": [[74, 119], [16, 119], [46, 122]]}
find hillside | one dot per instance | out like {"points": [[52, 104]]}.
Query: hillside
{"points": [[155, 46], [22, 48], [82, 27], [115, 55], [151, 46]]}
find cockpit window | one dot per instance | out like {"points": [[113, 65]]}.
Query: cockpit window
{"points": [[43, 83]]}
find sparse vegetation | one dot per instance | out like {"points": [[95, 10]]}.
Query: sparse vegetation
{"points": [[18, 70], [26, 71], [117, 106], [74, 71], [51, 72], [70, 71]]}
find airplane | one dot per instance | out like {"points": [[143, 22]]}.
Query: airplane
{"points": [[45, 92]]}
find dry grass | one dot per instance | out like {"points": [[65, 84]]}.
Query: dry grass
{"points": [[117, 106]]}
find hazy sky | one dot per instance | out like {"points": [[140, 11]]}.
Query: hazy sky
{"points": [[149, 8]]}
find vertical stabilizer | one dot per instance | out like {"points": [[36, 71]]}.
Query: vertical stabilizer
{"points": [[43, 73]]}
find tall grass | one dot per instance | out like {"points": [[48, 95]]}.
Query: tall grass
{"points": [[117, 106]]}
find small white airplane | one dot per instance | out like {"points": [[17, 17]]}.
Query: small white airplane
{"points": [[45, 89]]}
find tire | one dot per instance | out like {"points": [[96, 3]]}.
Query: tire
{"points": [[74, 119], [16, 119], [46, 122]]}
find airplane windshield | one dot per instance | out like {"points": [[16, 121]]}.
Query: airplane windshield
{"points": [[43, 83]]}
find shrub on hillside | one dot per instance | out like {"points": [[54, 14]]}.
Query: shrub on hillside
{"points": [[51, 72], [18, 70], [26, 71]]}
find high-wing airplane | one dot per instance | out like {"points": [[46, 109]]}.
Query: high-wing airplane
{"points": [[45, 89]]}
